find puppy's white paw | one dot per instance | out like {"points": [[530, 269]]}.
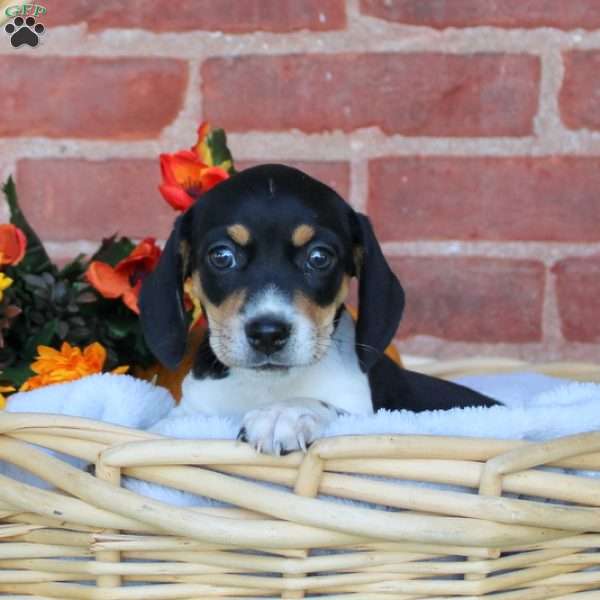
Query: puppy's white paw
{"points": [[286, 426]]}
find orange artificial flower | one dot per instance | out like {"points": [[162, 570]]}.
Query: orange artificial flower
{"points": [[13, 244], [187, 174], [125, 279], [67, 364]]}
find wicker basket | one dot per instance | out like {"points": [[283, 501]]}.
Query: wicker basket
{"points": [[87, 537]]}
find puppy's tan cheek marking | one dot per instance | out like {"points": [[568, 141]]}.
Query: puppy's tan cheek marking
{"points": [[230, 307], [318, 315], [225, 311], [302, 235], [239, 234], [322, 316]]}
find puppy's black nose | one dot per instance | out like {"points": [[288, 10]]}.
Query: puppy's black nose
{"points": [[267, 334]]}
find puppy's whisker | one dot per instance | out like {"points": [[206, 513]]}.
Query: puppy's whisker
{"points": [[357, 344]]}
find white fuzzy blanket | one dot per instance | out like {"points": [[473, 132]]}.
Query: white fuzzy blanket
{"points": [[537, 407]]}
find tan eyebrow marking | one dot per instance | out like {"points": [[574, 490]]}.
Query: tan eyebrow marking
{"points": [[239, 234], [302, 234]]}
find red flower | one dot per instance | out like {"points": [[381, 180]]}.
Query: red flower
{"points": [[125, 280], [13, 244], [187, 174]]}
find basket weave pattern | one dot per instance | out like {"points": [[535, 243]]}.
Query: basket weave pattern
{"points": [[493, 533]]}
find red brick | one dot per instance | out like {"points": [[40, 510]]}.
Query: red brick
{"points": [[578, 98], [124, 98], [472, 299], [561, 14], [578, 291], [424, 94], [72, 199], [486, 198], [334, 174], [231, 16]]}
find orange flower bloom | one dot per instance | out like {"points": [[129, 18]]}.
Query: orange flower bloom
{"points": [[187, 174], [125, 280], [67, 364], [13, 244]]}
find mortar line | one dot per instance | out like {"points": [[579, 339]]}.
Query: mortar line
{"points": [[551, 321], [547, 123], [546, 251], [332, 146], [359, 185], [363, 34]]}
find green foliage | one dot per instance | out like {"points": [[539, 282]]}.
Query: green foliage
{"points": [[113, 249], [46, 306], [36, 259], [217, 143]]}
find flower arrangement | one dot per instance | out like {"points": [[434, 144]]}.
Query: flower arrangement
{"points": [[61, 323]]}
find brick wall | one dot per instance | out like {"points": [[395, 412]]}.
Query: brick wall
{"points": [[469, 131]]}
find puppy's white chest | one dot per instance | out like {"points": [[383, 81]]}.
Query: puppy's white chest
{"points": [[335, 379]]}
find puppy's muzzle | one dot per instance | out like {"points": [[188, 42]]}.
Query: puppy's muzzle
{"points": [[267, 334]]}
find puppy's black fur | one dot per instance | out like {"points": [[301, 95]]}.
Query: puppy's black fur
{"points": [[270, 201]]}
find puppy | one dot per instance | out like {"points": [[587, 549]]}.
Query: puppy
{"points": [[271, 253]]}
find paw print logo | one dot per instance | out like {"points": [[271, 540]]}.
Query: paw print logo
{"points": [[24, 31]]}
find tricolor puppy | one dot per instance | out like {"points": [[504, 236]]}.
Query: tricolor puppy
{"points": [[271, 253]]}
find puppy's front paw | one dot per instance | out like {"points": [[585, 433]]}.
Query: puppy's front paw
{"points": [[281, 428]]}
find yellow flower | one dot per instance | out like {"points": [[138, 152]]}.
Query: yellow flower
{"points": [[3, 390], [67, 364], [5, 283]]}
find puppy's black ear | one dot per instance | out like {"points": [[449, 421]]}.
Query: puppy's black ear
{"points": [[162, 311], [380, 297]]}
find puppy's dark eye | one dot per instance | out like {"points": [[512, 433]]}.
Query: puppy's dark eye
{"points": [[222, 258], [319, 259]]}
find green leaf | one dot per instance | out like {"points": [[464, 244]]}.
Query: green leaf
{"points": [[113, 250], [36, 258], [35, 281], [43, 338], [87, 297], [59, 293], [120, 328], [74, 269], [217, 142], [80, 336], [62, 329], [17, 375]]}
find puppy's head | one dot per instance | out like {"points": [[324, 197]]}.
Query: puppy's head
{"points": [[271, 252]]}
